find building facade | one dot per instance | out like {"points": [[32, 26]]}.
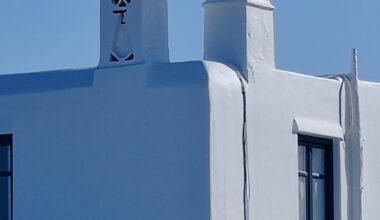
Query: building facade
{"points": [[228, 138]]}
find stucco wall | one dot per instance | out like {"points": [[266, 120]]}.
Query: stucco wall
{"points": [[280, 106], [129, 143], [164, 141], [226, 149], [275, 99], [370, 124]]}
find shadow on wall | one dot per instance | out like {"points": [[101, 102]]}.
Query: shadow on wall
{"points": [[45, 81], [177, 75], [161, 75]]}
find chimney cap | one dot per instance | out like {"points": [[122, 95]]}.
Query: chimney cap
{"points": [[263, 4]]}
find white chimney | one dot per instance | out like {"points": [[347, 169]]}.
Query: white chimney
{"points": [[133, 31], [240, 33]]}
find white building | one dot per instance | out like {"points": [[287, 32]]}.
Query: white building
{"points": [[230, 138]]}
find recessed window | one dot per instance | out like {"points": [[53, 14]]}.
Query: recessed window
{"points": [[315, 178], [6, 177]]}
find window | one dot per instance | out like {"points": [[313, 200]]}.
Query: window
{"points": [[6, 177], [315, 176]]}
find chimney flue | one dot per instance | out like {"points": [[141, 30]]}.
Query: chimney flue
{"points": [[133, 31], [240, 33]]}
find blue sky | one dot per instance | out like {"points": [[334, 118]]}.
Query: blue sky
{"points": [[313, 37]]}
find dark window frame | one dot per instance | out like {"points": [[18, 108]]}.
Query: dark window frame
{"points": [[327, 145], [5, 141]]}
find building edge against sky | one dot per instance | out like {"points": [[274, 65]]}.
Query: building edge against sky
{"points": [[142, 138]]}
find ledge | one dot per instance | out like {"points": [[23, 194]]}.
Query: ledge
{"points": [[317, 128], [262, 4]]}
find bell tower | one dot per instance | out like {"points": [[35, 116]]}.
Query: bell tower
{"points": [[133, 31], [240, 33]]}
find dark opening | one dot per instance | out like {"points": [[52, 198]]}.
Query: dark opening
{"points": [[315, 178], [6, 177]]}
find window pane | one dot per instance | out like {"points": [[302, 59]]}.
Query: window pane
{"points": [[302, 189], [318, 199], [5, 198], [5, 155], [318, 161], [302, 158]]}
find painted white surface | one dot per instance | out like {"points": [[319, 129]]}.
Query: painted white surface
{"points": [[226, 151], [117, 143], [145, 32], [370, 124], [252, 41], [353, 144], [150, 140], [221, 19], [318, 128], [275, 98]]}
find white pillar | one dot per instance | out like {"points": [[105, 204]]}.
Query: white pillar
{"points": [[133, 31], [354, 144], [240, 33]]}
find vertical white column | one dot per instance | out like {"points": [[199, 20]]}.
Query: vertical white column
{"points": [[354, 144]]}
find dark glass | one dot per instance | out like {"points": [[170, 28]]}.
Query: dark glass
{"points": [[302, 197], [319, 199], [5, 159], [5, 198], [318, 161], [302, 161]]}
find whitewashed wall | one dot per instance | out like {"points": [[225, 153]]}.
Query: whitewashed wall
{"points": [[127, 143], [370, 123], [282, 105], [275, 99], [165, 141], [226, 148]]}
